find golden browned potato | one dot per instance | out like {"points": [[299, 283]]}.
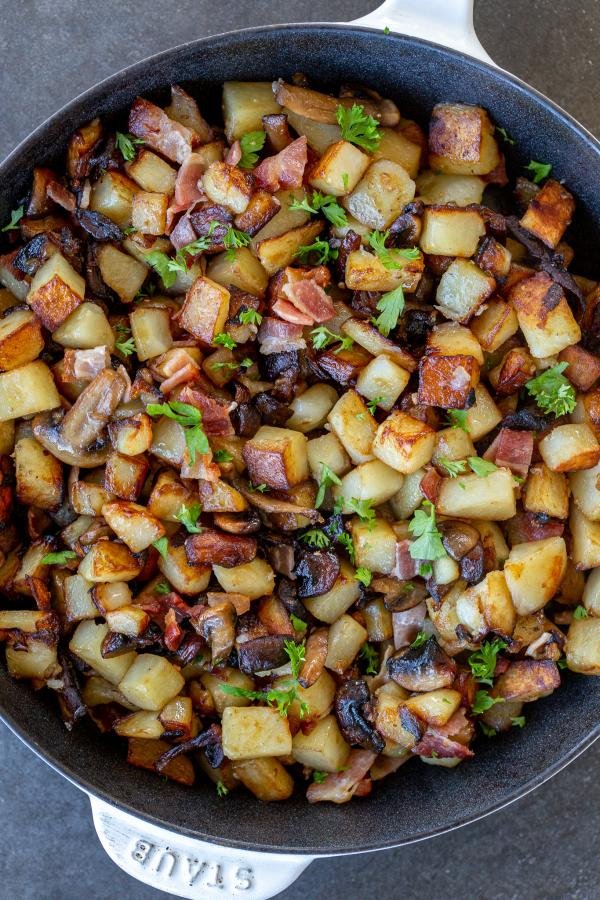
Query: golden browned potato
{"points": [[549, 212], [56, 290], [404, 443], [544, 315], [339, 170], [205, 310], [461, 140], [277, 457], [21, 339]]}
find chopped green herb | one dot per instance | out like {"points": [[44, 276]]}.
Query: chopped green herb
{"points": [[374, 403], [162, 265], [15, 217], [284, 695], [562, 663], [482, 662], [225, 340], [505, 135], [246, 363], [297, 624], [428, 540], [126, 347], [457, 418], [363, 509], [370, 656], [553, 392], [223, 456], [538, 170], [386, 30], [222, 791], [162, 545], [489, 732], [251, 144], [319, 777], [390, 306], [233, 239], [58, 558], [128, 230], [162, 588], [483, 702], [250, 317], [481, 467], [421, 638], [315, 538], [518, 721], [322, 337], [127, 143], [453, 467], [189, 418], [261, 488], [345, 180], [326, 479], [425, 570], [322, 203], [389, 258], [364, 575], [188, 516], [320, 251], [580, 612], [346, 541], [358, 128]]}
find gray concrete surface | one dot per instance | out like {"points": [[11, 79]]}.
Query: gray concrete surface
{"points": [[543, 846]]}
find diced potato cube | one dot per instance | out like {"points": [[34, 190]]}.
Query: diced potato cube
{"points": [[591, 594], [149, 212], [328, 450], [495, 325], [382, 380], [215, 681], [549, 212], [372, 481], [487, 606], [21, 339], [186, 579], [279, 250], [534, 571], [228, 186], [409, 497], [112, 195], [262, 207], [375, 546], [570, 447], [131, 436], [88, 497], [491, 497], [462, 289], [354, 425], [285, 219], [323, 748], [366, 272], [133, 524], [494, 258], [484, 415], [130, 620], [121, 272], [27, 390], [152, 173], [254, 731], [433, 189], [339, 170], [330, 606], [404, 443], [38, 660], [109, 561], [452, 339], [277, 457], [244, 105], [151, 330], [450, 231], [381, 195], [547, 492], [243, 271], [110, 595], [346, 637], [39, 475], [396, 146], [151, 681], [461, 140], [583, 646], [447, 381], [56, 290], [142, 724], [78, 599], [219, 496], [266, 778], [585, 540], [254, 579], [206, 309], [544, 315], [391, 723], [87, 327], [311, 407], [86, 644], [318, 697], [144, 753], [435, 707], [452, 443], [378, 620]]}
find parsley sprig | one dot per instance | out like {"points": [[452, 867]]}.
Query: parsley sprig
{"points": [[538, 170], [322, 337], [484, 701], [315, 538], [325, 204], [58, 558], [225, 340], [233, 239], [457, 418], [326, 479], [370, 656], [421, 638], [188, 516], [286, 692], [168, 267], [390, 257], [126, 347], [127, 143], [427, 543], [320, 251], [364, 575], [250, 317], [482, 662], [358, 128], [552, 391], [455, 467], [251, 144], [15, 217], [390, 306], [189, 418]]}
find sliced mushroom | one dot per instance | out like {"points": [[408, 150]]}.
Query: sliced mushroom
{"points": [[424, 669], [322, 108], [212, 547], [262, 653], [216, 624], [315, 656], [237, 523], [458, 538], [350, 704], [267, 504], [317, 572]]}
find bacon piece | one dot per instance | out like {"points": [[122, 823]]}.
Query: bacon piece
{"points": [[289, 313], [529, 526], [186, 183], [276, 336], [61, 195], [183, 233], [340, 787], [285, 169], [150, 123], [430, 484], [308, 297], [446, 741], [215, 413], [407, 623], [173, 631], [234, 154], [406, 567], [512, 450], [176, 367], [84, 365], [583, 369]]}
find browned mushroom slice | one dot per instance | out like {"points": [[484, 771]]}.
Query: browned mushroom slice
{"points": [[317, 572], [262, 653], [322, 108], [424, 669], [350, 708], [216, 624], [219, 548]]}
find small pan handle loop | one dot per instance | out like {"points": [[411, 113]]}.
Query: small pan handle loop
{"points": [[445, 22]]}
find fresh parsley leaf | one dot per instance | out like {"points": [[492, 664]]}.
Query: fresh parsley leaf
{"points": [[162, 588], [320, 251], [553, 392], [319, 777], [296, 654], [126, 347], [421, 638], [326, 479], [251, 144], [425, 570], [457, 418], [538, 170], [580, 612], [315, 538], [386, 30], [222, 791], [481, 467], [15, 217], [364, 575], [297, 624], [188, 516], [453, 467], [489, 732], [162, 545], [345, 180], [370, 656], [233, 239], [223, 456], [127, 143], [246, 363], [345, 540], [286, 692], [322, 337], [363, 509], [562, 663], [189, 418], [160, 262], [323, 203], [250, 317], [428, 540], [482, 662], [518, 722], [505, 135], [261, 488], [358, 128], [389, 258], [390, 306], [483, 701], [225, 340], [374, 403], [58, 558]]}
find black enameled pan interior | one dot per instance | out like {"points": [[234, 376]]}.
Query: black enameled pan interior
{"points": [[420, 800]]}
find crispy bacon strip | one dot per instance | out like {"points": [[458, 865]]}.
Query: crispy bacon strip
{"points": [[150, 123], [512, 450], [340, 787], [276, 336], [285, 169]]}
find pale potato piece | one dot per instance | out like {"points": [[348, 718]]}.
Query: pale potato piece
{"points": [[487, 606], [108, 596], [244, 105], [151, 330], [186, 579], [484, 415], [339, 169], [318, 697], [143, 724], [286, 219], [254, 579], [112, 195], [370, 338], [277, 457], [133, 524], [244, 271], [323, 748], [534, 571], [330, 606], [39, 475], [228, 186], [152, 173], [381, 195], [382, 380], [591, 594], [280, 250], [583, 646], [354, 426], [491, 497], [87, 327], [346, 637], [214, 682], [372, 481], [149, 212], [584, 487], [452, 339], [151, 681], [205, 310], [395, 146], [445, 570], [388, 720], [27, 390], [366, 272], [26, 620], [121, 272], [570, 447], [86, 644], [404, 443], [409, 497], [585, 540], [255, 731], [494, 325], [544, 315], [327, 449], [375, 546], [433, 189], [311, 407], [435, 707], [462, 289], [451, 231], [56, 290], [452, 443], [547, 492], [266, 778], [38, 660], [130, 620]]}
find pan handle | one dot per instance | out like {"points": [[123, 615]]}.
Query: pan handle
{"points": [[445, 22], [185, 867]]}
